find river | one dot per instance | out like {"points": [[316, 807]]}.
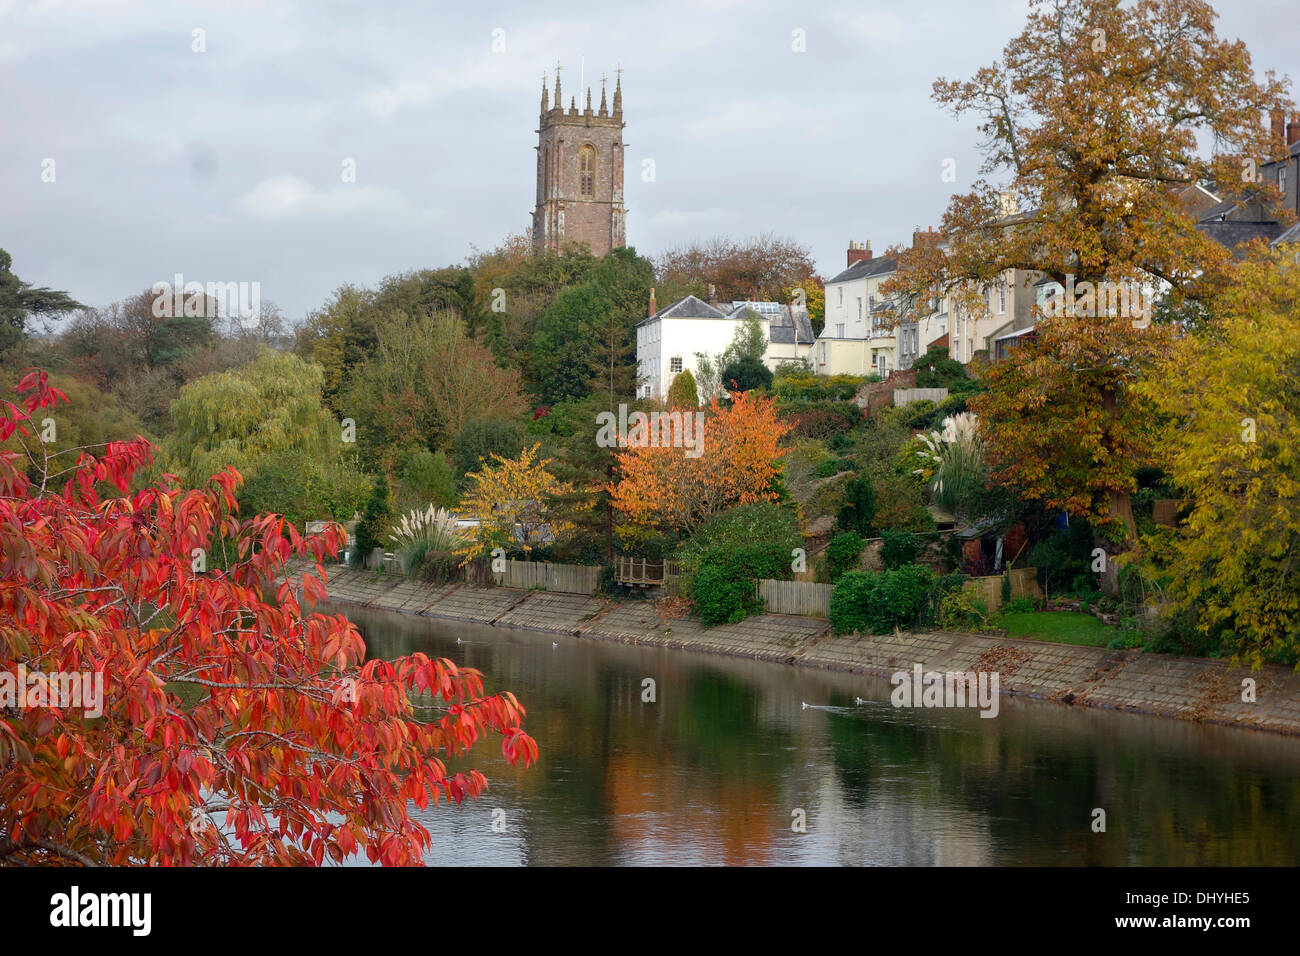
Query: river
{"points": [[726, 762]]}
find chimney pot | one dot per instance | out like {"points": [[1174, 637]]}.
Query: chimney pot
{"points": [[1293, 131]]}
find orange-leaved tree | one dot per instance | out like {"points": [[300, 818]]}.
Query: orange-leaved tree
{"points": [[152, 713], [736, 460]]}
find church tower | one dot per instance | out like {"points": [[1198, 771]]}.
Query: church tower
{"points": [[580, 173]]}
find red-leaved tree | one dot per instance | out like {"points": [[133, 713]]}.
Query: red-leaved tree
{"points": [[236, 727]]}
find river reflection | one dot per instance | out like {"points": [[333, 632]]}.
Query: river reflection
{"points": [[714, 771]]}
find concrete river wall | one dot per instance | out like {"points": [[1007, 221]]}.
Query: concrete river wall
{"points": [[1195, 689]]}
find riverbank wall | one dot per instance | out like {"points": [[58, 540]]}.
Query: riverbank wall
{"points": [[1194, 689]]}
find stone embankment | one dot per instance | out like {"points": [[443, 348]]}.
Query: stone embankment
{"points": [[1194, 689]]}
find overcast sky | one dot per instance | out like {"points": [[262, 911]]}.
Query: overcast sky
{"points": [[225, 165]]}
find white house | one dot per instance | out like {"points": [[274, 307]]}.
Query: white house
{"points": [[669, 341]]}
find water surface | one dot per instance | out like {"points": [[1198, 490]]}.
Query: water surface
{"points": [[719, 767]]}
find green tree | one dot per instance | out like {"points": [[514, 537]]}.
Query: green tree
{"points": [[745, 374], [585, 340], [339, 336], [682, 393], [375, 521], [858, 512], [428, 478], [483, 437], [427, 379], [241, 418], [20, 300]]}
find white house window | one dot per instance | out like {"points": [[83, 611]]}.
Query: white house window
{"points": [[1281, 180], [871, 304], [859, 309], [1002, 296], [675, 364], [841, 295], [839, 328]]}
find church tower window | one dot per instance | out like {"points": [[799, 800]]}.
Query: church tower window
{"points": [[587, 172]]}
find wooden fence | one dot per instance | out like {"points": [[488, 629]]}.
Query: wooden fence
{"points": [[570, 578], [1024, 583], [795, 597]]}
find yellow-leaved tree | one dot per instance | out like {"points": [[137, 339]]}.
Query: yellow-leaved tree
{"points": [[515, 502], [1231, 445]]}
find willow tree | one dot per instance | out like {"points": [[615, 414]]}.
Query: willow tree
{"points": [[1093, 121]]}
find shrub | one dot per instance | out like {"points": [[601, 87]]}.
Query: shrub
{"points": [[725, 584], [947, 371], [806, 387], [943, 585], [900, 501], [849, 600], [1064, 556], [832, 466], [961, 610], [820, 419], [722, 562], [746, 373], [438, 567], [1020, 605], [843, 551], [878, 603], [899, 548], [858, 512]]}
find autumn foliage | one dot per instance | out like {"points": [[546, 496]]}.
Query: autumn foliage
{"points": [[237, 728], [739, 463]]}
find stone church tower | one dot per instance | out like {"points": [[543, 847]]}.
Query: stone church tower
{"points": [[580, 173]]}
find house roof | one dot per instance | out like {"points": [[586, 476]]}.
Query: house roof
{"points": [[1029, 330], [1288, 237], [1291, 152], [1235, 221], [865, 268], [1249, 209], [786, 326], [687, 308]]}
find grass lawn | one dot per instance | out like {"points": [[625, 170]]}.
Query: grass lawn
{"points": [[1065, 627]]}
